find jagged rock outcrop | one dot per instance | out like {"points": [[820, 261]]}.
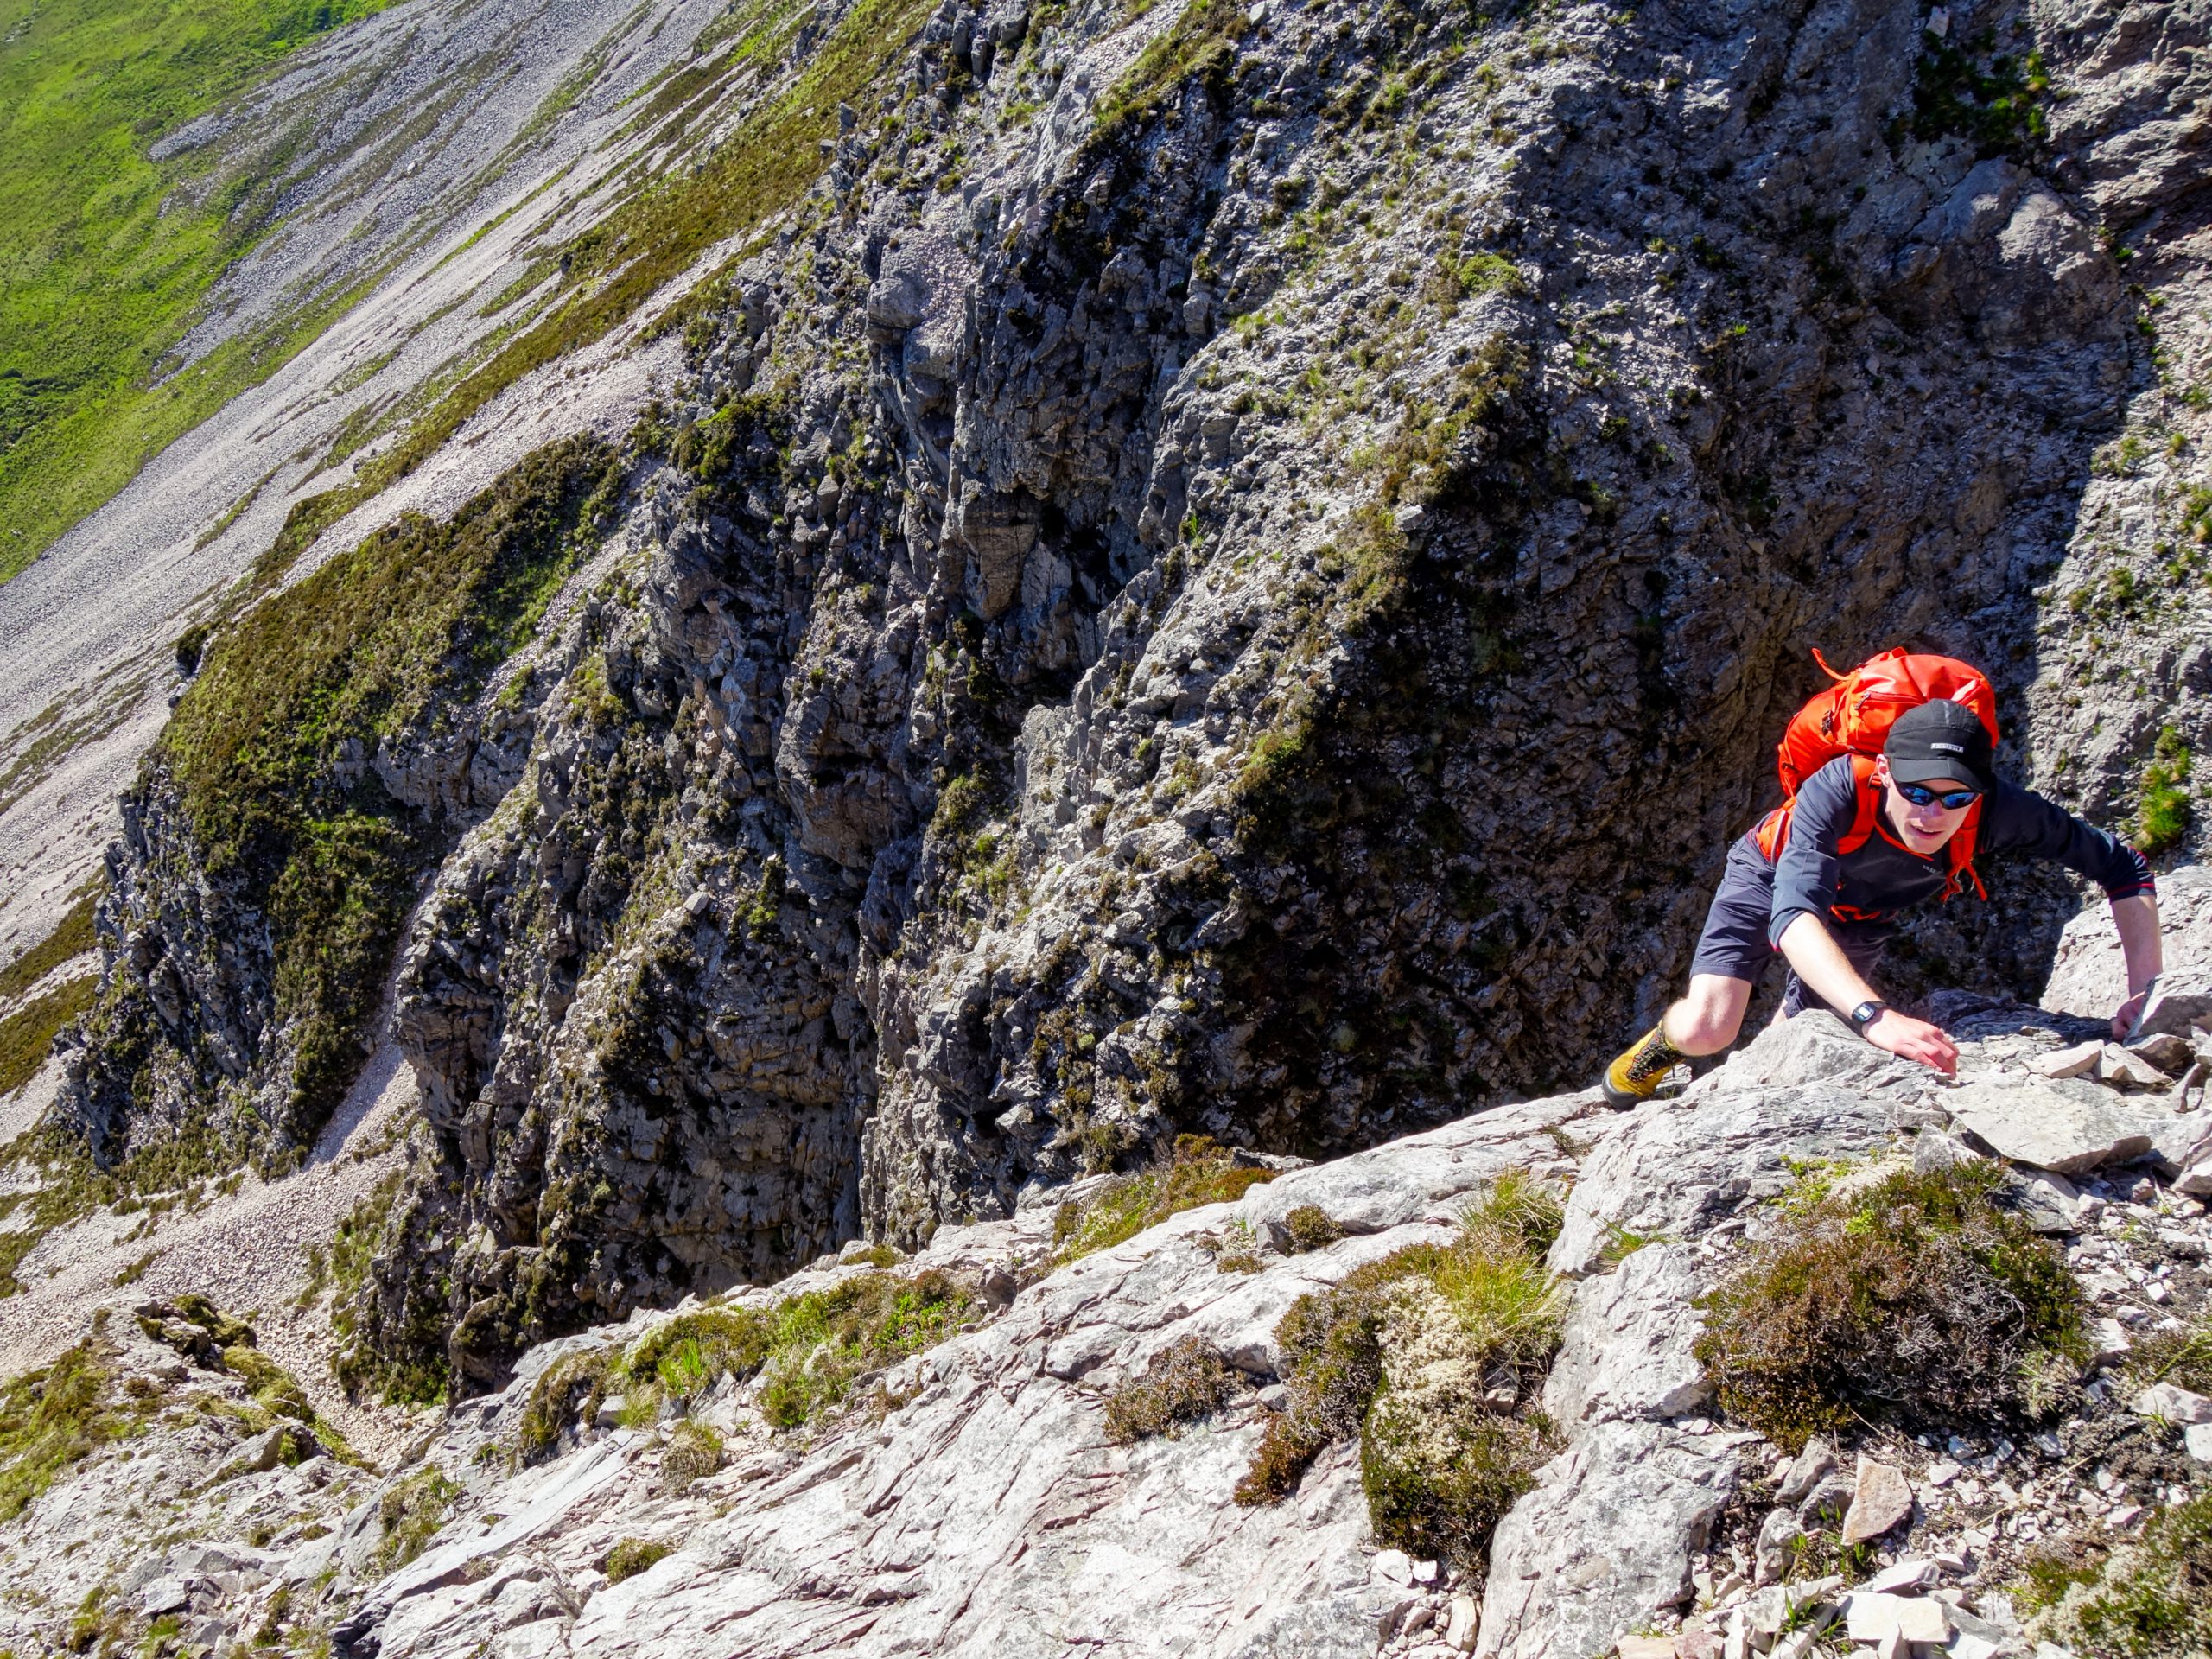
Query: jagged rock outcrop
{"points": [[1175, 631]]}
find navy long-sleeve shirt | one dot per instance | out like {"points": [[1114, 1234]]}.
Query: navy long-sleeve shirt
{"points": [[1879, 880]]}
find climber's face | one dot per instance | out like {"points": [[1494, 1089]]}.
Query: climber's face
{"points": [[1925, 815]]}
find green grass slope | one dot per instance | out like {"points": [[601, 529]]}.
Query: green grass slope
{"points": [[106, 255]]}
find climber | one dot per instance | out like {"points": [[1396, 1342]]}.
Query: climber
{"points": [[1857, 844]]}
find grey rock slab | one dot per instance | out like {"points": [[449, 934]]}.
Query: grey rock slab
{"points": [[1815, 1047], [1807, 1470], [1605, 1540], [2184, 1140], [2088, 974], [1682, 1167], [2078, 1061], [2170, 1402], [1430, 1176], [539, 1503], [2069, 1128], [1624, 1353], [1881, 1497]]}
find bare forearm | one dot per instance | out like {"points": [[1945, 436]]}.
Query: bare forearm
{"points": [[1820, 961], [2141, 941]]}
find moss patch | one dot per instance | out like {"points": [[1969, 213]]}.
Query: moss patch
{"points": [[2163, 815], [2183, 1358], [1432, 1356], [53, 1418], [2150, 1600], [1199, 1171], [807, 1353], [631, 1557], [1918, 1298]]}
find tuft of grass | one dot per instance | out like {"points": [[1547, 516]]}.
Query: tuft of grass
{"points": [[2162, 816], [1199, 1171], [694, 1452], [822, 1342], [571, 1388], [631, 1557], [1185, 1382], [2183, 1358], [53, 1418], [1431, 1355], [410, 1516], [807, 1353], [1918, 1296], [2147, 1599], [1311, 1228]]}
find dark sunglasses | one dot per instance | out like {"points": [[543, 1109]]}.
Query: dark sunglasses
{"points": [[1921, 795]]}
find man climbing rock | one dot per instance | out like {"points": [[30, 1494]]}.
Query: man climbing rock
{"points": [[1865, 838]]}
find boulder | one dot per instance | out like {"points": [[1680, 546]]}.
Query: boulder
{"points": [[2070, 1127], [1626, 1355], [1604, 1539], [1679, 1168]]}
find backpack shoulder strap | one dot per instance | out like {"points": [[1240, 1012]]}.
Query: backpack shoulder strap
{"points": [[1868, 794], [1961, 850]]}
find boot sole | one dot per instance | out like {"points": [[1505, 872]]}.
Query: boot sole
{"points": [[1620, 1099]]}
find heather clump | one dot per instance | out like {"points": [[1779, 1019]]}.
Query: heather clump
{"points": [[1186, 1382], [1918, 1296]]}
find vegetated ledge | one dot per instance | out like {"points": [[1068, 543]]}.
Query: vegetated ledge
{"points": [[327, 753]]}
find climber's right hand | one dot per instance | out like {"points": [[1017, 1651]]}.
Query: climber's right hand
{"points": [[1914, 1040]]}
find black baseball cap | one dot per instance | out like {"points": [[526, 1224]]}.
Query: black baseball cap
{"points": [[1941, 739]]}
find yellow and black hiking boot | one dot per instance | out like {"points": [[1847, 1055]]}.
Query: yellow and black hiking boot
{"points": [[1635, 1077]]}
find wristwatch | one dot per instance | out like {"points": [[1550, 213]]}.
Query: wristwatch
{"points": [[1865, 1014]]}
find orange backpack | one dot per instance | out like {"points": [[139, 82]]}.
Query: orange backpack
{"points": [[1853, 717]]}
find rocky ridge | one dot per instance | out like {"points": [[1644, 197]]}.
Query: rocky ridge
{"points": [[977, 1505]]}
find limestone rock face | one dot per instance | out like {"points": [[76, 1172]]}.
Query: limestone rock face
{"points": [[1219, 620]]}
